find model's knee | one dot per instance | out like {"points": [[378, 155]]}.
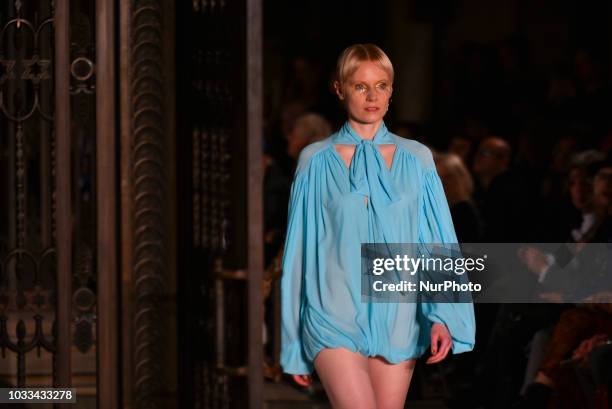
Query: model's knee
{"points": [[390, 400]]}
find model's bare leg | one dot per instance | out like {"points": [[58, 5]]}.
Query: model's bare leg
{"points": [[390, 382], [346, 379]]}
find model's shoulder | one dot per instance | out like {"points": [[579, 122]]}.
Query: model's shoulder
{"points": [[310, 151], [418, 150]]}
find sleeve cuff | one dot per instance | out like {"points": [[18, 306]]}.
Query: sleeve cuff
{"points": [[293, 360], [461, 347], [458, 345]]}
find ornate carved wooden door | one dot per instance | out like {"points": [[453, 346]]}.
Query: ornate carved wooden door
{"points": [[116, 222], [57, 193]]}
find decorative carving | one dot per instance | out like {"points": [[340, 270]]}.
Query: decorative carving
{"points": [[6, 70], [36, 69], [27, 252], [83, 119], [82, 50], [148, 196]]}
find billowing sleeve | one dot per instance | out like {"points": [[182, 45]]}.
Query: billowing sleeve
{"points": [[436, 226], [292, 356]]}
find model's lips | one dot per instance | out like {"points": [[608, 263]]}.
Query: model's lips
{"points": [[372, 109]]}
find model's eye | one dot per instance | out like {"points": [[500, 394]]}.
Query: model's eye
{"points": [[382, 86], [360, 87]]}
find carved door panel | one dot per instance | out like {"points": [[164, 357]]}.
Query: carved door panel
{"points": [[53, 303]]}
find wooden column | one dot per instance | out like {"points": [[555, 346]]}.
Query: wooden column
{"points": [[148, 272], [63, 192], [255, 261], [108, 301]]}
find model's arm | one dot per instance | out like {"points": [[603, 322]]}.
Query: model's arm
{"points": [[292, 355], [436, 226]]}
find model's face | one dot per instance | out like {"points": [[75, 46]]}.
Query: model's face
{"points": [[366, 93]]}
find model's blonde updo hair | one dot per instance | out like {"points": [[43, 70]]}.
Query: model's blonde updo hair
{"points": [[351, 57]]}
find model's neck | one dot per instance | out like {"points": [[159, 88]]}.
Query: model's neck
{"points": [[365, 131]]}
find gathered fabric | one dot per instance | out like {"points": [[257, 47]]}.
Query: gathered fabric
{"points": [[369, 175], [328, 220]]}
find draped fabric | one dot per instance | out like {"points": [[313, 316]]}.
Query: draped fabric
{"points": [[328, 219]]}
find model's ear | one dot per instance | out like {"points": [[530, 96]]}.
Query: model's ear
{"points": [[338, 89]]}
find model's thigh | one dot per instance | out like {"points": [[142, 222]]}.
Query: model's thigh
{"points": [[346, 379], [390, 381]]}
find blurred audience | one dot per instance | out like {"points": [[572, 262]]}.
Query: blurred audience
{"points": [[578, 331], [500, 193], [492, 159], [307, 128], [459, 187]]}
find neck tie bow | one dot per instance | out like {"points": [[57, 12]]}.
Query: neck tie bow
{"points": [[368, 172]]}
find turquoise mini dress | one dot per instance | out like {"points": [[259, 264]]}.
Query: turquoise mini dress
{"points": [[328, 219]]}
